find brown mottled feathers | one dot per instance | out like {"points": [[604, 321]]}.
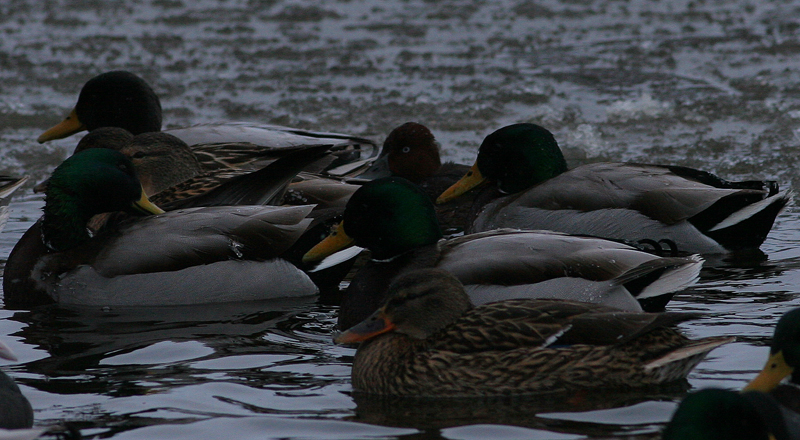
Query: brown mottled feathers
{"points": [[514, 347]]}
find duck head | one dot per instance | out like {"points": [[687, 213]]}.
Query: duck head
{"points": [[388, 216], [89, 183], [512, 158], [420, 303], [410, 151], [784, 354], [725, 415], [112, 99]]}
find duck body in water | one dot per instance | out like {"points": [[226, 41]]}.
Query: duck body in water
{"points": [[428, 340], [181, 257], [528, 186], [397, 222]]}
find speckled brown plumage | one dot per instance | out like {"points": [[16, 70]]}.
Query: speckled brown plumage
{"points": [[440, 346], [196, 185]]}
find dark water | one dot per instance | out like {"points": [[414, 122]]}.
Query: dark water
{"points": [[708, 84]]}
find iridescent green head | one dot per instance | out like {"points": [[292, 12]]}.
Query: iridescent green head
{"points": [[519, 156], [715, 414], [388, 216], [89, 183], [513, 158]]}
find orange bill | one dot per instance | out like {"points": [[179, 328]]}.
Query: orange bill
{"points": [[772, 374], [472, 179], [333, 243], [67, 127], [367, 329]]}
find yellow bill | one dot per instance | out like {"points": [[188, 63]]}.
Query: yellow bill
{"points": [[333, 243], [145, 206], [772, 374], [67, 127], [471, 180]]}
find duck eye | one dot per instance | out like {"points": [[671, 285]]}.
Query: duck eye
{"points": [[138, 155], [406, 149]]}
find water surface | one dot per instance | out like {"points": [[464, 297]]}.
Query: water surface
{"points": [[701, 83]]}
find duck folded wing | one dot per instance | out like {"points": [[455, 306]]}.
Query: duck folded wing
{"points": [[507, 264], [653, 190], [199, 236], [513, 324], [267, 136], [534, 256]]}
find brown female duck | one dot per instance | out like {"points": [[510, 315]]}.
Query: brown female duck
{"points": [[412, 152], [428, 340]]}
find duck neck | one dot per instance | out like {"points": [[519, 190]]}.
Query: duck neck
{"points": [[411, 237], [64, 221]]}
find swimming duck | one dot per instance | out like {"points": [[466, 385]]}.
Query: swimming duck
{"points": [[15, 410], [182, 257], [428, 340], [531, 188], [715, 414], [123, 99], [396, 221]]}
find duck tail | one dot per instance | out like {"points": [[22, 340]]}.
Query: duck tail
{"points": [[10, 184], [678, 363], [742, 220], [654, 282]]}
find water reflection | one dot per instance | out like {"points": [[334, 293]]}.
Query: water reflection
{"points": [[543, 412], [114, 345], [709, 85]]}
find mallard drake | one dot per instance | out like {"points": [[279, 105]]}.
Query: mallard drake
{"points": [[396, 221], [182, 257], [428, 340], [122, 99], [783, 361], [531, 188], [15, 410], [715, 414]]}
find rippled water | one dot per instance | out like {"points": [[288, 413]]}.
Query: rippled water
{"points": [[702, 83]]}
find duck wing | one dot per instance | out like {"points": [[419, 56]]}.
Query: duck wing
{"points": [[506, 264], [653, 190], [191, 237], [257, 141], [265, 186], [513, 324], [641, 202]]}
